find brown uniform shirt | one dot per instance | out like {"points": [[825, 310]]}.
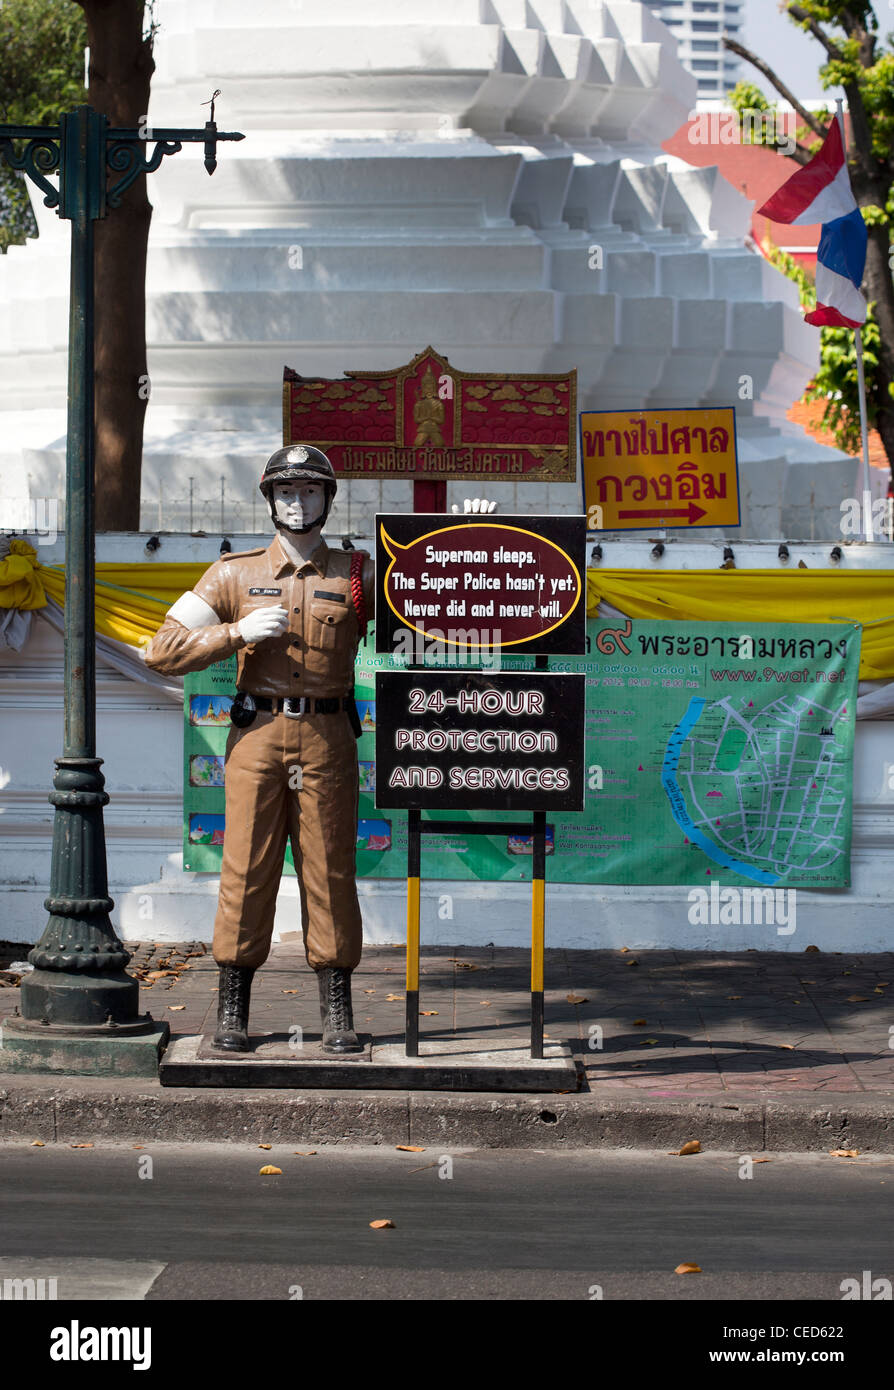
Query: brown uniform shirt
{"points": [[313, 656]]}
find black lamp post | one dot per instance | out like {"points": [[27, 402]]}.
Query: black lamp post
{"points": [[79, 988]]}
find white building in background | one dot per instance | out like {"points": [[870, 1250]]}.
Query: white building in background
{"points": [[445, 172], [698, 26]]}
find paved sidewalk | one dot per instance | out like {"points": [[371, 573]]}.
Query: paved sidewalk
{"points": [[770, 1050]]}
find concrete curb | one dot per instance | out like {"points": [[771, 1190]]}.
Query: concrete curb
{"points": [[83, 1109]]}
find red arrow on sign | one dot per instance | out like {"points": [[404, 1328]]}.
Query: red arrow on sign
{"points": [[691, 513]]}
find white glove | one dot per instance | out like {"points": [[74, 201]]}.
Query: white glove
{"points": [[476, 504], [263, 623]]}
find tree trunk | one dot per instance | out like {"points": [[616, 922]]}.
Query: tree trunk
{"points": [[121, 67]]}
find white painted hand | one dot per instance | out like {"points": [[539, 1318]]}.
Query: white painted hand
{"points": [[263, 623], [476, 504]]}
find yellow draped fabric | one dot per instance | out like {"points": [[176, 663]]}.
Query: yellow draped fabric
{"points": [[20, 586], [131, 600], [761, 596]]}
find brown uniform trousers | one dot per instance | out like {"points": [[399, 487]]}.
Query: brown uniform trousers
{"points": [[285, 777]]}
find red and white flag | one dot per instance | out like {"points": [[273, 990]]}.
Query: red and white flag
{"points": [[821, 192]]}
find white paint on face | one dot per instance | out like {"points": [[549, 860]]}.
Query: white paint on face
{"points": [[298, 501]]}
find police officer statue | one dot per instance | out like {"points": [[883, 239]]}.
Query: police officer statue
{"points": [[293, 613]]}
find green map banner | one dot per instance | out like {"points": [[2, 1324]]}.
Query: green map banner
{"points": [[709, 750]]}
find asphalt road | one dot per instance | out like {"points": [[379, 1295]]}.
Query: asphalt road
{"points": [[505, 1225]]}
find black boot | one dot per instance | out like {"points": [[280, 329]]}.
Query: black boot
{"points": [[232, 1008], [336, 1012]]}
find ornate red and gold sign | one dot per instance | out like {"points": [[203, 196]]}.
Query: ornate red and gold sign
{"points": [[429, 421]]}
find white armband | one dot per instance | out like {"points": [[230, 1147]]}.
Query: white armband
{"points": [[192, 611]]}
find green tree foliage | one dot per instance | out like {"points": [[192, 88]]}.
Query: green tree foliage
{"points": [[861, 63], [41, 75]]}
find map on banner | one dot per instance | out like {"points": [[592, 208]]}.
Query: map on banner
{"points": [[711, 753]]}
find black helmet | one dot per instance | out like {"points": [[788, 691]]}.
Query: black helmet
{"points": [[295, 462]]}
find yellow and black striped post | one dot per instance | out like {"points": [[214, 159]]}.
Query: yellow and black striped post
{"points": [[538, 931], [412, 992]]}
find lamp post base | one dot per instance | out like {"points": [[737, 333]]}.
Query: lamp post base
{"points": [[92, 1050]]}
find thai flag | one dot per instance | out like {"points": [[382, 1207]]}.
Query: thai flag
{"points": [[821, 192]]}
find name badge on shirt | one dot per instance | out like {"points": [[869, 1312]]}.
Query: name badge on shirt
{"points": [[328, 593], [265, 591]]}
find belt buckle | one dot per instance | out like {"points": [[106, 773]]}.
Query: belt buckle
{"points": [[300, 700]]}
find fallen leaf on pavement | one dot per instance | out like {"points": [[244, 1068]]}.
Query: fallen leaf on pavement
{"points": [[429, 1013], [858, 998], [628, 963], [288, 991], [639, 1023], [175, 1008], [692, 1147], [80, 1146], [38, 1144], [844, 1153], [393, 998], [265, 1146], [688, 1269], [309, 1153], [269, 1171], [734, 996], [624, 949], [411, 1148], [762, 1160], [578, 998], [382, 1225], [649, 1042], [787, 1047]]}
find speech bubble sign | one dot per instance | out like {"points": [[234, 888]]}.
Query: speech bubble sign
{"points": [[480, 584]]}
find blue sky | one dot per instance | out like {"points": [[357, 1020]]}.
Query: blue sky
{"points": [[795, 56]]}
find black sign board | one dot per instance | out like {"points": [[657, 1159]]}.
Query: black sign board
{"points": [[462, 586], [475, 741]]}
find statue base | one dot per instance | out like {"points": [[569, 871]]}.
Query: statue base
{"points": [[96, 1052], [445, 1064]]}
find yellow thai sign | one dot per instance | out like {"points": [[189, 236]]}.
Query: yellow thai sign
{"points": [[659, 468]]}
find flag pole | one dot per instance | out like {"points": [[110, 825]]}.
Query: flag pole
{"points": [[866, 509]]}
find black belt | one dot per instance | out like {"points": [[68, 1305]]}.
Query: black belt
{"points": [[294, 705]]}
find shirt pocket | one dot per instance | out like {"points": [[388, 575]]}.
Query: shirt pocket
{"points": [[329, 626]]}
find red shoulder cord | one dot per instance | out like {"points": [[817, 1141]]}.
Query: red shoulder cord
{"points": [[357, 559]]}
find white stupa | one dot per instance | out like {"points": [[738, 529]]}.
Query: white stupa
{"points": [[416, 173]]}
